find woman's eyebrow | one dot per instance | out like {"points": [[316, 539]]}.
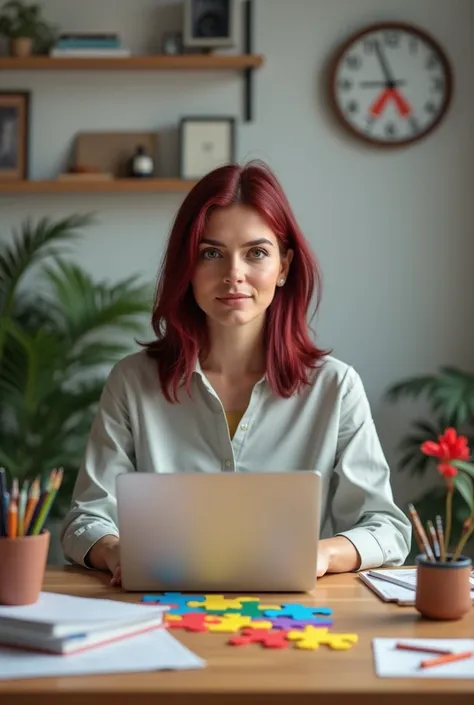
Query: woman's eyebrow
{"points": [[260, 241]]}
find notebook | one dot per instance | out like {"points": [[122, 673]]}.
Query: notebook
{"points": [[64, 624], [396, 585]]}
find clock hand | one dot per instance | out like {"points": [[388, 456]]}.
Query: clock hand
{"points": [[377, 84], [389, 79]]}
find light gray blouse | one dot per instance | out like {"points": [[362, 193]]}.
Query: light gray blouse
{"points": [[326, 427]]}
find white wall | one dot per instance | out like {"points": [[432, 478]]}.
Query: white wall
{"points": [[393, 230]]}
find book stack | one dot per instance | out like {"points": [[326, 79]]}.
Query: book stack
{"points": [[64, 624], [89, 45]]}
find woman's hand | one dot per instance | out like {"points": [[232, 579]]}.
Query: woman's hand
{"points": [[336, 555], [105, 554]]}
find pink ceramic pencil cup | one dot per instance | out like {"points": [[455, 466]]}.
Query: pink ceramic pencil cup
{"points": [[22, 568]]}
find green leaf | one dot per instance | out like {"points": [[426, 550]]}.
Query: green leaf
{"points": [[464, 486], [465, 467]]}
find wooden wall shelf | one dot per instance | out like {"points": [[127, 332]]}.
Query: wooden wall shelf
{"points": [[186, 62], [102, 186]]}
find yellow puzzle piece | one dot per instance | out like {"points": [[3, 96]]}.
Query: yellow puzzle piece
{"points": [[313, 637], [219, 602], [233, 622]]}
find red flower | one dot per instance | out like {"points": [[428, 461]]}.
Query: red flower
{"points": [[450, 447]]}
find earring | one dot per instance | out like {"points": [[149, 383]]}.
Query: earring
{"points": [[281, 282]]}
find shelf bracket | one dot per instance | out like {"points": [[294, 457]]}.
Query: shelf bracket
{"points": [[248, 73]]}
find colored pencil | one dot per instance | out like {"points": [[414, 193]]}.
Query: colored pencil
{"points": [[434, 539], [440, 532], [3, 514], [447, 658], [418, 526], [12, 522], [39, 522], [425, 649], [32, 501], [22, 508]]}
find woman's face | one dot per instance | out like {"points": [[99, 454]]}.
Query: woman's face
{"points": [[239, 267]]}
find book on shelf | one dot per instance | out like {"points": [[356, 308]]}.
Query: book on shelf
{"points": [[65, 624]]}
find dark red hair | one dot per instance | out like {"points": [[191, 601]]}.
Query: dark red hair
{"points": [[178, 322]]}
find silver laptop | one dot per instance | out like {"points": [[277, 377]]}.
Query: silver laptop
{"points": [[216, 532]]}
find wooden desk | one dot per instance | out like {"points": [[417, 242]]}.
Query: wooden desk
{"points": [[259, 675]]}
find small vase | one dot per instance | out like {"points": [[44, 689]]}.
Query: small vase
{"points": [[443, 589], [21, 46]]}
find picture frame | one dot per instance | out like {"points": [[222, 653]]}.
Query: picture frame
{"points": [[205, 142], [211, 24], [14, 135]]}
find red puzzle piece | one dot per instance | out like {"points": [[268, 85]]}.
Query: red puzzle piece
{"points": [[273, 639], [191, 621]]}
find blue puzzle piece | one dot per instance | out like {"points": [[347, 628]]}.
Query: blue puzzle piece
{"points": [[179, 601], [297, 611]]}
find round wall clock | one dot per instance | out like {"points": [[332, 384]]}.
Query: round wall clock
{"points": [[391, 84]]}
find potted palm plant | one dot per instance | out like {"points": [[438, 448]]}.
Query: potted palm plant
{"points": [[60, 332], [25, 28]]}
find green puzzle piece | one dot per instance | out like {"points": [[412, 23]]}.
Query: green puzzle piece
{"points": [[248, 609]]}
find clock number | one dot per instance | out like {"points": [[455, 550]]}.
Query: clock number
{"points": [[352, 107], [353, 61], [392, 39], [432, 62], [430, 108], [369, 45], [345, 84], [413, 122], [437, 84], [390, 130]]}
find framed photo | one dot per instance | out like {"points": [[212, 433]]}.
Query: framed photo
{"points": [[205, 144], [14, 128]]}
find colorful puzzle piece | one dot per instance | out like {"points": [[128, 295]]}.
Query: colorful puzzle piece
{"points": [[192, 622], [312, 638], [177, 601], [234, 622], [297, 611], [269, 639], [287, 623], [249, 608], [218, 602]]}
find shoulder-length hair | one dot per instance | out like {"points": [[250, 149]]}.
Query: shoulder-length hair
{"points": [[179, 323]]}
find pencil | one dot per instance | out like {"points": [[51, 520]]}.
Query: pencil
{"points": [[38, 523], [32, 501], [447, 658], [12, 524], [3, 515], [440, 531], [418, 526], [434, 539], [22, 508], [425, 649]]}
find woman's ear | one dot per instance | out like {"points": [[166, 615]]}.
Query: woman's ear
{"points": [[286, 260]]}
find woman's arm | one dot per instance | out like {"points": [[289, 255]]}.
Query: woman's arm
{"points": [[109, 452], [370, 529]]}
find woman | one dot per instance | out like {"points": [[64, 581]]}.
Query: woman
{"points": [[233, 383]]}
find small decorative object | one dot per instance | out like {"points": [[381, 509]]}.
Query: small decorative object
{"points": [[209, 24], [205, 144], [172, 43], [443, 587], [14, 126], [391, 84], [141, 165], [25, 28]]}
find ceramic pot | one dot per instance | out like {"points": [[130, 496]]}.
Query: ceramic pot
{"points": [[22, 568], [443, 589], [21, 46]]}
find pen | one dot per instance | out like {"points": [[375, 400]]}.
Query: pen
{"points": [[447, 658], [22, 508], [32, 501], [425, 649], [12, 524], [434, 539], [3, 503], [440, 530]]}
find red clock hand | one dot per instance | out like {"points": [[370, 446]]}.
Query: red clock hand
{"points": [[390, 94]]}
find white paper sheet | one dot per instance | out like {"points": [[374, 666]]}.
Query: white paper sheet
{"points": [[155, 651], [395, 663]]}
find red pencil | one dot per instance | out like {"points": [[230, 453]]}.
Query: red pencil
{"points": [[448, 658], [425, 649]]}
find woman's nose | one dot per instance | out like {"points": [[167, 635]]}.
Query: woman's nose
{"points": [[234, 272]]}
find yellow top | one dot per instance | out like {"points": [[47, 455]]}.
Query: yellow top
{"points": [[233, 420]]}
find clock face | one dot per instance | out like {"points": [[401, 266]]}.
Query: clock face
{"points": [[391, 84]]}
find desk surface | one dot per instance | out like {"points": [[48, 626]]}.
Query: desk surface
{"points": [[263, 676]]}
